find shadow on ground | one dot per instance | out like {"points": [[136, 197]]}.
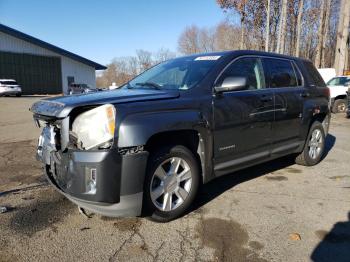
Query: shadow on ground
{"points": [[330, 142], [334, 245], [218, 186]]}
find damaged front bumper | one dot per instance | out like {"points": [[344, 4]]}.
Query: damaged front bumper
{"points": [[102, 181]]}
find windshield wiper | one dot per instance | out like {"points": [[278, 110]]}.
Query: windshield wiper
{"points": [[152, 84], [128, 86]]}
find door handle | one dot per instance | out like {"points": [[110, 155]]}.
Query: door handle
{"points": [[266, 98], [305, 94]]}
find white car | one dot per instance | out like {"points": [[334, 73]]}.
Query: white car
{"points": [[10, 87], [338, 87]]}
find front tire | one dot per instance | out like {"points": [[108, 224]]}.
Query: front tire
{"points": [[171, 183], [339, 106], [314, 146]]}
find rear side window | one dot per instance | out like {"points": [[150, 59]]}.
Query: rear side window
{"points": [[314, 76], [281, 73], [339, 81], [8, 82]]}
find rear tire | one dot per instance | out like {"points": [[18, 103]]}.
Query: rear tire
{"points": [[314, 146], [171, 183], [339, 106], [18, 95]]}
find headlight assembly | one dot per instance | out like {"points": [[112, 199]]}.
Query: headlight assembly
{"points": [[95, 128]]}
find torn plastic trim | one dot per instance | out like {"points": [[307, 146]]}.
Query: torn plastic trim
{"points": [[130, 150], [61, 124]]}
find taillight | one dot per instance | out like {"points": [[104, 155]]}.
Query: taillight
{"points": [[328, 92]]}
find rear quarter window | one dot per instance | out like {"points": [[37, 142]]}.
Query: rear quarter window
{"points": [[8, 82], [313, 75]]}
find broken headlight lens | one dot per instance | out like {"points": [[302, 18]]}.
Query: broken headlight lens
{"points": [[95, 128]]}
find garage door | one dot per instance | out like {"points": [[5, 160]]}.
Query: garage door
{"points": [[36, 74]]}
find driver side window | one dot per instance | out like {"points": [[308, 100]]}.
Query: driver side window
{"points": [[249, 68]]}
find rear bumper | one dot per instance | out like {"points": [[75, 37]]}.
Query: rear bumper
{"points": [[12, 92], [118, 178]]}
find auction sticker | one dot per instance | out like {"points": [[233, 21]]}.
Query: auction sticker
{"points": [[206, 58]]}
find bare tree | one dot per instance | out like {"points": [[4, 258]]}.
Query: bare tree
{"points": [[326, 33], [267, 34], [144, 59], [163, 54], [342, 37], [339, 33], [226, 35], [282, 28], [188, 40], [321, 28], [133, 66], [206, 40], [240, 7], [299, 21], [122, 69]]}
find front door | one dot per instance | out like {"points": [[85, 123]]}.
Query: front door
{"points": [[242, 118]]}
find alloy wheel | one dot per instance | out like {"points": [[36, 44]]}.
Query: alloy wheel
{"points": [[315, 144], [171, 184], [341, 107]]}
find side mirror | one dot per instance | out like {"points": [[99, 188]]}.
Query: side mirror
{"points": [[232, 83]]}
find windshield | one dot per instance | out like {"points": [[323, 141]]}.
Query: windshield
{"points": [[338, 81], [181, 73]]}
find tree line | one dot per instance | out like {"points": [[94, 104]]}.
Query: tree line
{"points": [[314, 29], [122, 69]]}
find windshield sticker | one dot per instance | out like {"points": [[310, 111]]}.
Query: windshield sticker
{"points": [[206, 58]]}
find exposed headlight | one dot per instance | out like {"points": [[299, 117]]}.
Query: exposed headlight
{"points": [[95, 127]]}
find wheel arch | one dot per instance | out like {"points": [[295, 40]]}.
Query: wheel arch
{"points": [[340, 97], [187, 128], [323, 118]]}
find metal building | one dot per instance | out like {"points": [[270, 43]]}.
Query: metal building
{"points": [[39, 67]]}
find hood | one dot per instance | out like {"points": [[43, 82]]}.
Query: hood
{"points": [[60, 107]]}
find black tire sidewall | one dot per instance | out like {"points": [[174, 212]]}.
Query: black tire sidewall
{"points": [[154, 161], [310, 161]]}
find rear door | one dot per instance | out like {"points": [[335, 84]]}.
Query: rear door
{"points": [[243, 118], [284, 78]]}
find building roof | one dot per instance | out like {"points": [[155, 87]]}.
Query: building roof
{"points": [[43, 44]]}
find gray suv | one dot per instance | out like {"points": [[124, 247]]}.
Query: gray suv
{"points": [[146, 148]]}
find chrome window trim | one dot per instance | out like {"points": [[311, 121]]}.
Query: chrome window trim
{"points": [[295, 67], [260, 57]]}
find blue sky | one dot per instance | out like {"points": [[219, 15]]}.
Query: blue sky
{"points": [[101, 30]]}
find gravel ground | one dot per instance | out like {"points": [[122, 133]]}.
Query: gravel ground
{"points": [[277, 211]]}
